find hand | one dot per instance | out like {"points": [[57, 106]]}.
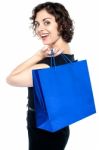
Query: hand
{"points": [[47, 51]]}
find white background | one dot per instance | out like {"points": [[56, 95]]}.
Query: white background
{"points": [[18, 44]]}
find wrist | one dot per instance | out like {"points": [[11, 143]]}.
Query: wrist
{"points": [[40, 54]]}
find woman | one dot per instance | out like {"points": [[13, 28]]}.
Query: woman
{"points": [[52, 24]]}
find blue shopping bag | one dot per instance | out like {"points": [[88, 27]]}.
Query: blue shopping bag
{"points": [[63, 95]]}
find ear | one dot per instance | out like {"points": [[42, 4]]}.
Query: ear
{"points": [[60, 30]]}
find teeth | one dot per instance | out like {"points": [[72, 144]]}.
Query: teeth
{"points": [[44, 35]]}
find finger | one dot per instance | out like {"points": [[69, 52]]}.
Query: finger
{"points": [[58, 52], [55, 50], [46, 47]]}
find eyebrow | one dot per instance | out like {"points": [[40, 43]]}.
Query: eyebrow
{"points": [[43, 19], [46, 18]]}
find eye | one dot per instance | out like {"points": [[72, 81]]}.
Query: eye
{"points": [[46, 22], [36, 24]]}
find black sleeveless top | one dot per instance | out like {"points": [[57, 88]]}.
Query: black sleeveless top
{"points": [[58, 61]]}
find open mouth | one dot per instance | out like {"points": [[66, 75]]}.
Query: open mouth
{"points": [[44, 36]]}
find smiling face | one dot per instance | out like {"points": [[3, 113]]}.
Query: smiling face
{"points": [[46, 28]]}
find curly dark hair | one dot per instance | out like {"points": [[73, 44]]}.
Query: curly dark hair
{"points": [[62, 17]]}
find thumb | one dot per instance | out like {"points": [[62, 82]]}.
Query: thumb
{"points": [[45, 48]]}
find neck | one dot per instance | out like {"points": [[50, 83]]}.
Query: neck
{"points": [[61, 44]]}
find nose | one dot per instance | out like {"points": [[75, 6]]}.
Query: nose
{"points": [[40, 28]]}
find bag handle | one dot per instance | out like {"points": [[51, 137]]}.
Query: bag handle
{"points": [[53, 58]]}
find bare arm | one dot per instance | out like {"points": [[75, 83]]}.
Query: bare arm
{"points": [[21, 76]]}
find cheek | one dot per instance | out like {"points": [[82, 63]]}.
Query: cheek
{"points": [[55, 34], [36, 32], [55, 30]]}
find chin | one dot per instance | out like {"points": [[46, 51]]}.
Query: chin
{"points": [[47, 43]]}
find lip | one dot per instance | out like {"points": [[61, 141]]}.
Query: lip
{"points": [[41, 33], [44, 37]]}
